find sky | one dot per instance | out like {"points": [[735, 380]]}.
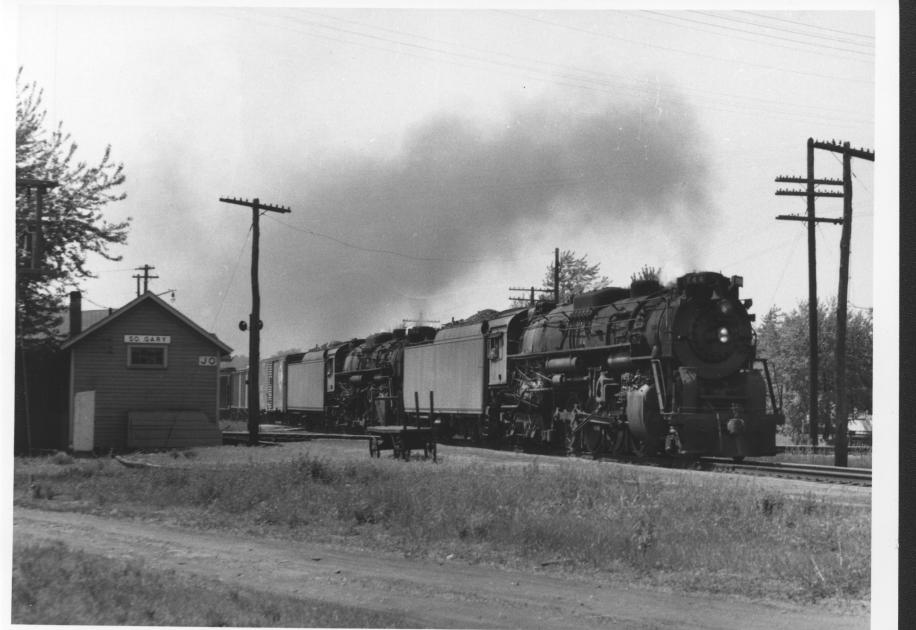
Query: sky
{"points": [[432, 159]]}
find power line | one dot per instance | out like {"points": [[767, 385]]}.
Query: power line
{"points": [[785, 267], [96, 303], [814, 26], [581, 82], [232, 277], [784, 30], [690, 52], [740, 30], [590, 75], [389, 252]]}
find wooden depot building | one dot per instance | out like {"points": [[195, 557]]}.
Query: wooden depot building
{"points": [[144, 377]]}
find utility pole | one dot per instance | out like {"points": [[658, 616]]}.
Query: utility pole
{"points": [[812, 220], [146, 278], [556, 282], [841, 451], [41, 186], [34, 267], [254, 320]]}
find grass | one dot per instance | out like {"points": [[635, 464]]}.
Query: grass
{"points": [[59, 586], [693, 532]]}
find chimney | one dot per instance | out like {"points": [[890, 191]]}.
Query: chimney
{"points": [[76, 313]]}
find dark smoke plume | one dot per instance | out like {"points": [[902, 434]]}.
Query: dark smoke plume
{"points": [[458, 191]]}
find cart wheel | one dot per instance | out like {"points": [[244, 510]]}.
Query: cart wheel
{"points": [[406, 453], [396, 446], [374, 450], [430, 449]]}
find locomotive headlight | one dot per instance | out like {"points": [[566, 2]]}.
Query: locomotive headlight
{"points": [[723, 334]]}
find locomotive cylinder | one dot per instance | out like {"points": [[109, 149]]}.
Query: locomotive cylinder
{"points": [[619, 361], [562, 365]]}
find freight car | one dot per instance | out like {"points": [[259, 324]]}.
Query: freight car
{"points": [[639, 370], [233, 393]]}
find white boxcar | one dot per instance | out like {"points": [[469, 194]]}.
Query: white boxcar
{"points": [[453, 367], [305, 383]]}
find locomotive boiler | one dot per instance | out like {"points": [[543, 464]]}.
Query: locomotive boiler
{"points": [[643, 370]]}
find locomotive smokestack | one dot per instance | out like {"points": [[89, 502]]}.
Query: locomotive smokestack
{"points": [[76, 313]]}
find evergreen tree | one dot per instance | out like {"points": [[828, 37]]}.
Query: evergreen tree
{"points": [[73, 224]]}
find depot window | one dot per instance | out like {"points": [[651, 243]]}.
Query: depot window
{"points": [[147, 357]]}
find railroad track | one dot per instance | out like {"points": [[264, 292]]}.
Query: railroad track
{"points": [[821, 450], [807, 472], [287, 435]]}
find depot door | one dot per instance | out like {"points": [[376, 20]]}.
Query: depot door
{"points": [[84, 421]]}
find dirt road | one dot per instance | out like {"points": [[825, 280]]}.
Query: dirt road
{"points": [[435, 595]]}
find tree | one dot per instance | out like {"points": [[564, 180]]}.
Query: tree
{"points": [[783, 339], [576, 276], [72, 223]]}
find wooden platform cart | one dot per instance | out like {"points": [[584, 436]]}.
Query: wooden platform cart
{"points": [[403, 439]]}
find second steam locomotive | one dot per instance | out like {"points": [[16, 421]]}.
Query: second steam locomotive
{"points": [[642, 370]]}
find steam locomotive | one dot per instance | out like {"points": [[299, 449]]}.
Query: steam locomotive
{"points": [[643, 370]]}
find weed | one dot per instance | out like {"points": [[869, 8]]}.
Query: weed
{"points": [[55, 585], [769, 504], [62, 459], [698, 531]]}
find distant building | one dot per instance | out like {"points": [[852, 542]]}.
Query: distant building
{"points": [[142, 376]]}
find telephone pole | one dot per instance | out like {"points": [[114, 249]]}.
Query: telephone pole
{"points": [[555, 289], [254, 321], [146, 278], [34, 244], [29, 263], [810, 193], [840, 450]]}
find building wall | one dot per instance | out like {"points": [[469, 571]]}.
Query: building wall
{"points": [[100, 364], [42, 380]]}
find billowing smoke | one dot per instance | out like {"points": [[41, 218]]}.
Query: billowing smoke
{"points": [[458, 191]]}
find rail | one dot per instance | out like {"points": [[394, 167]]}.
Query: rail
{"points": [[807, 472]]}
